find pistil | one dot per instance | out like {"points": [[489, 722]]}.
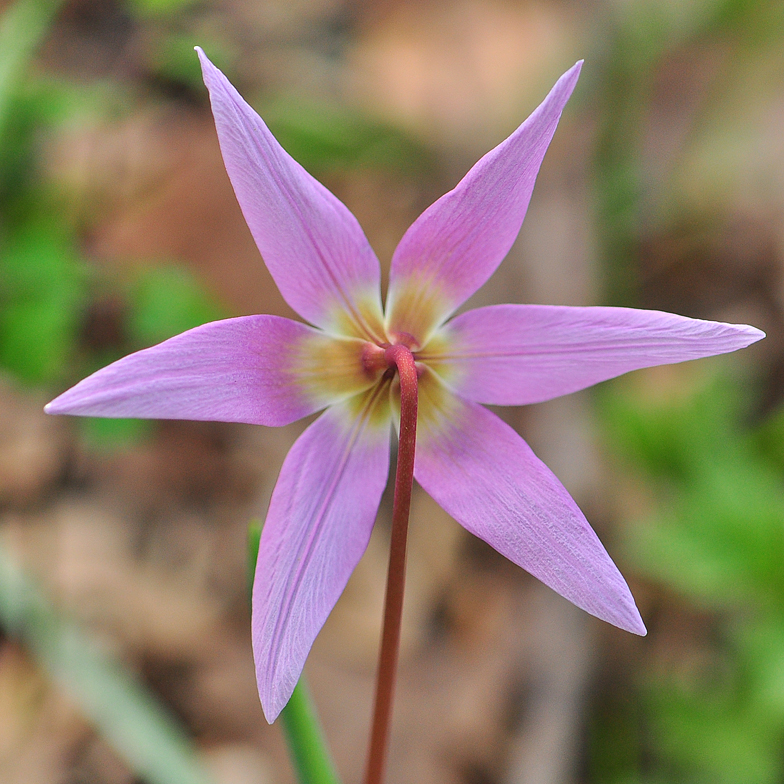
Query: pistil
{"points": [[399, 357]]}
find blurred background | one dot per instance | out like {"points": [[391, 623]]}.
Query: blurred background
{"points": [[124, 646]]}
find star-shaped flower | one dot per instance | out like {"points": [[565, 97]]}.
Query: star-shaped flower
{"points": [[268, 370]]}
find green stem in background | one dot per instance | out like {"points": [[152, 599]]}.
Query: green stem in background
{"points": [[301, 727], [127, 715]]}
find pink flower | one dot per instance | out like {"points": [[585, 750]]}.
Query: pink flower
{"points": [[269, 370]]}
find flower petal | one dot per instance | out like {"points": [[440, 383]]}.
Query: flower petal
{"points": [[517, 354], [313, 246], [459, 241], [317, 528], [484, 475], [254, 369]]}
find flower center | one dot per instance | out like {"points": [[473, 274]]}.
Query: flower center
{"points": [[381, 359]]}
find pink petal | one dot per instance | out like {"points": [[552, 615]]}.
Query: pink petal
{"points": [[518, 354], [484, 475], [317, 528], [237, 370], [312, 245], [458, 242]]}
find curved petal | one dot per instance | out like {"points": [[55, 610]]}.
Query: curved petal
{"points": [[317, 528], [262, 370], [313, 246], [484, 475], [511, 355], [459, 241]]}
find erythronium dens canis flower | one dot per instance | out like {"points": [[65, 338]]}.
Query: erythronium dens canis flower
{"points": [[269, 370]]}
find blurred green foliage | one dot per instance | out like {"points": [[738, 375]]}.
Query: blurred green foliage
{"points": [[46, 289], [160, 7], [167, 300], [42, 293], [706, 702], [716, 540], [42, 284], [46, 286], [721, 537], [173, 58], [22, 27], [324, 136]]}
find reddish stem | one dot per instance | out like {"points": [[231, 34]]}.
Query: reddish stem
{"points": [[401, 357]]}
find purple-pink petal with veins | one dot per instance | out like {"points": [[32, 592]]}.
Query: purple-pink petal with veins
{"points": [[486, 477], [312, 245], [459, 241], [317, 528], [511, 355], [237, 370]]}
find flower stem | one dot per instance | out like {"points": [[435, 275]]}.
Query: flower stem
{"points": [[402, 358], [301, 727]]}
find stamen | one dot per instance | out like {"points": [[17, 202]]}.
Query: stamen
{"points": [[374, 359], [405, 339]]}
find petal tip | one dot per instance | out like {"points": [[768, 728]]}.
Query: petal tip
{"points": [[638, 628], [754, 333], [631, 620], [573, 74], [274, 697], [210, 72], [271, 713], [54, 407], [744, 335]]}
